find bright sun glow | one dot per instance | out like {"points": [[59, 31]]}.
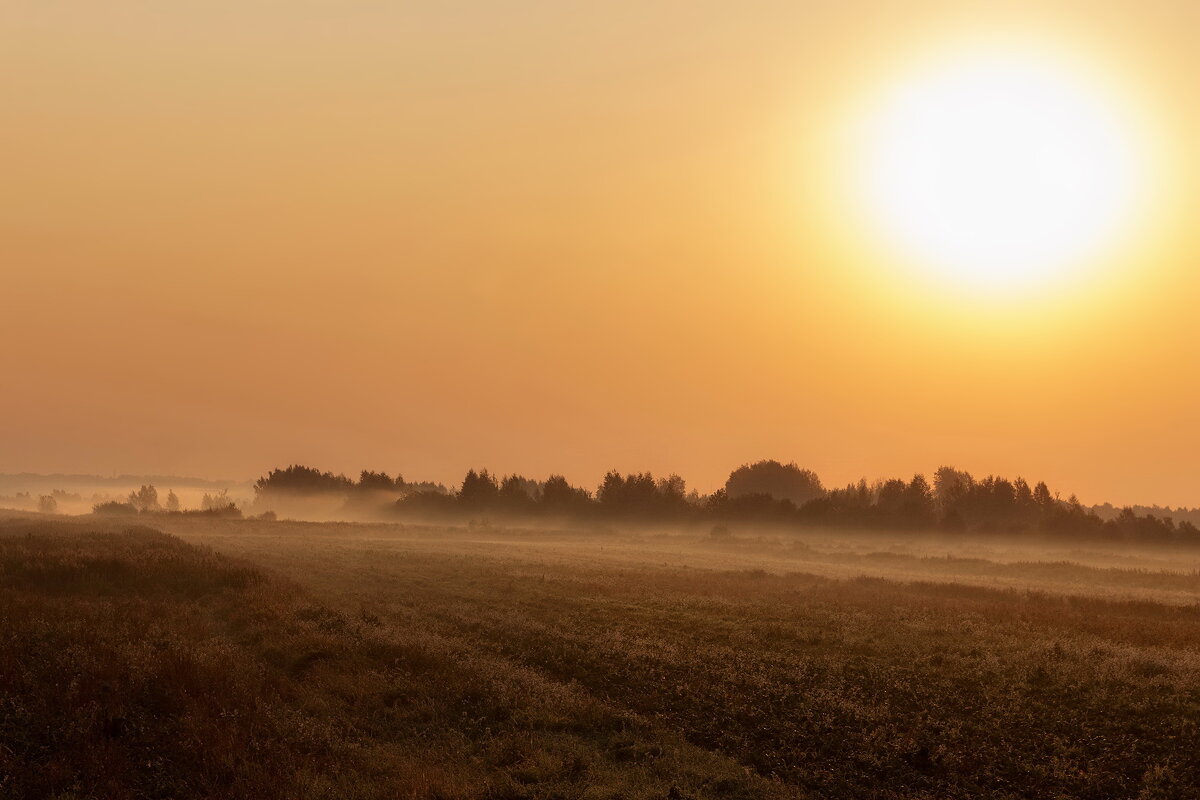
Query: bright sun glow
{"points": [[999, 169]]}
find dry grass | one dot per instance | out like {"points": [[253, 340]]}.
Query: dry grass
{"points": [[432, 663], [135, 665]]}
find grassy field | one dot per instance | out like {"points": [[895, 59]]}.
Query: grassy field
{"points": [[336, 660]]}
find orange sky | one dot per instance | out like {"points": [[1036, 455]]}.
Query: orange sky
{"points": [[547, 236]]}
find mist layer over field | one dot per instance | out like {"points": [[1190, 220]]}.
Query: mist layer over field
{"points": [[1160, 573], [79, 494]]}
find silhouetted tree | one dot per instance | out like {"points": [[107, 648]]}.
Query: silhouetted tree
{"points": [[47, 504], [518, 495], [519, 484], [890, 496], [172, 503], [1023, 494], [217, 502], [638, 494], [781, 481], [560, 497], [852, 505], [302, 480], [950, 486], [377, 482], [611, 492], [918, 507], [479, 491], [145, 499]]}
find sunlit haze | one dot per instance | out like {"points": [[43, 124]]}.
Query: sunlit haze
{"points": [[999, 169], [869, 237]]}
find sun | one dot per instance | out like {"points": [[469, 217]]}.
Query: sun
{"points": [[997, 169]]}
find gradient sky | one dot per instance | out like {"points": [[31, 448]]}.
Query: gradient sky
{"points": [[545, 237]]}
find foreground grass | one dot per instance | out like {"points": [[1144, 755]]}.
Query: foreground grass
{"points": [[422, 664], [135, 665], [828, 687]]}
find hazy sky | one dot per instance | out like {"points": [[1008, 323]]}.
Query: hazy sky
{"points": [[548, 236]]}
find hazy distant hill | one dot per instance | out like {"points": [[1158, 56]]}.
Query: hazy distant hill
{"points": [[34, 482]]}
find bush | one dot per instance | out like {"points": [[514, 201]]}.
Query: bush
{"points": [[229, 511], [115, 509]]}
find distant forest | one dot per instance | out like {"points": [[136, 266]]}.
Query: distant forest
{"points": [[763, 492]]}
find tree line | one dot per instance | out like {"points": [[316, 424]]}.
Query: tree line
{"points": [[145, 500], [765, 491]]}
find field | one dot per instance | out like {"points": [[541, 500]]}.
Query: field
{"points": [[256, 659]]}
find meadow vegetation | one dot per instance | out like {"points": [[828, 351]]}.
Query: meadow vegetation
{"points": [[135, 665], [355, 660]]}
